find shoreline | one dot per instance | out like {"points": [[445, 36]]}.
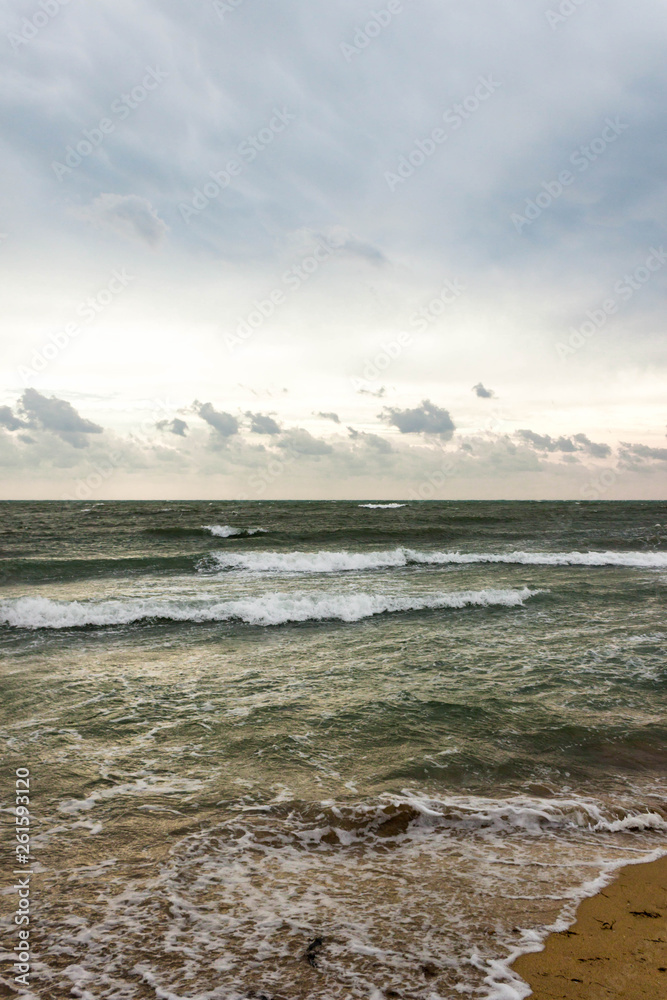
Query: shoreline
{"points": [[616, 948]]}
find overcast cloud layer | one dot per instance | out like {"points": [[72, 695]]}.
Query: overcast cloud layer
{"points": [[348, 250]]}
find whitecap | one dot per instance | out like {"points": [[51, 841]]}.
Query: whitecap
{"points": [[266, 609]]}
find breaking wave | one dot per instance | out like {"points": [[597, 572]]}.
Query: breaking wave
{"points": [[227, 531], [382, 506], [326, 561], [268, 609], [399, 817]]}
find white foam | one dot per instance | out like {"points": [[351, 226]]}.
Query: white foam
{"points": [[227, 531], [529, 815], [142, 786], [267, 609], [471, 816], [382, 506], [328, 561], [306, 562], [640, 560], [250, 893]]}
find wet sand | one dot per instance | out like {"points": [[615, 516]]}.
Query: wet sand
{"points": [[616, 949]]}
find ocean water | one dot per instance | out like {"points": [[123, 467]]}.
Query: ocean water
{"points": [[326, 750]]}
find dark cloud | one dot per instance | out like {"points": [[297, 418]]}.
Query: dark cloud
{"points": [[126, 215], [262, 423], [329, 416], [9, 420], [57, 415], [303, 443], [224, 423], [175, 426], [543, 442], [593, 448], [483, 392], [425, 419], [579, 442], [644, 451]]}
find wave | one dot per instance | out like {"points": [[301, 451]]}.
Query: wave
{"points": [[36, 570], [343, 561], [204, 530], [227, 531], [268, 609], [639, 560], [407, 816], [382, 506]]}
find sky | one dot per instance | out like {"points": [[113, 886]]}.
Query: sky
{"points": [[346, 249]]}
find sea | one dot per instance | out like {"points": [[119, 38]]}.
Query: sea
{"points": [[325, 749]]}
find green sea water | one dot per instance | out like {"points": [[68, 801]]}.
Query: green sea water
{"points": [[324, 750]]}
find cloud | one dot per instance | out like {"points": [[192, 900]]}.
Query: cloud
{"points": [[9, 420], [425, 419], [367, 391], [343, 242], [329, 416], [482, 392], [127, 215], [592, 447], [262, 423], [175, 426], [361, 248], [644, 451], [224, 423], [302, 442], [579, 442], [59, 416], [372, 440]]}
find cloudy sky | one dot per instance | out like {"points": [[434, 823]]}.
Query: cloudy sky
{"points": [[348, 249]]}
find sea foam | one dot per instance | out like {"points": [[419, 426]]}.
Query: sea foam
{"points": [[382, 506], [267, 609], [327, 561]]}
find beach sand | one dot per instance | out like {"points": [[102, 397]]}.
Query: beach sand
{"points": [[616, 949]]}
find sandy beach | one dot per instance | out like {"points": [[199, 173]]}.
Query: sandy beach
{"points": [[616, 948]]}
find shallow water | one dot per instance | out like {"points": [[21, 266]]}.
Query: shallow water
{"points": [[363, 751]]}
